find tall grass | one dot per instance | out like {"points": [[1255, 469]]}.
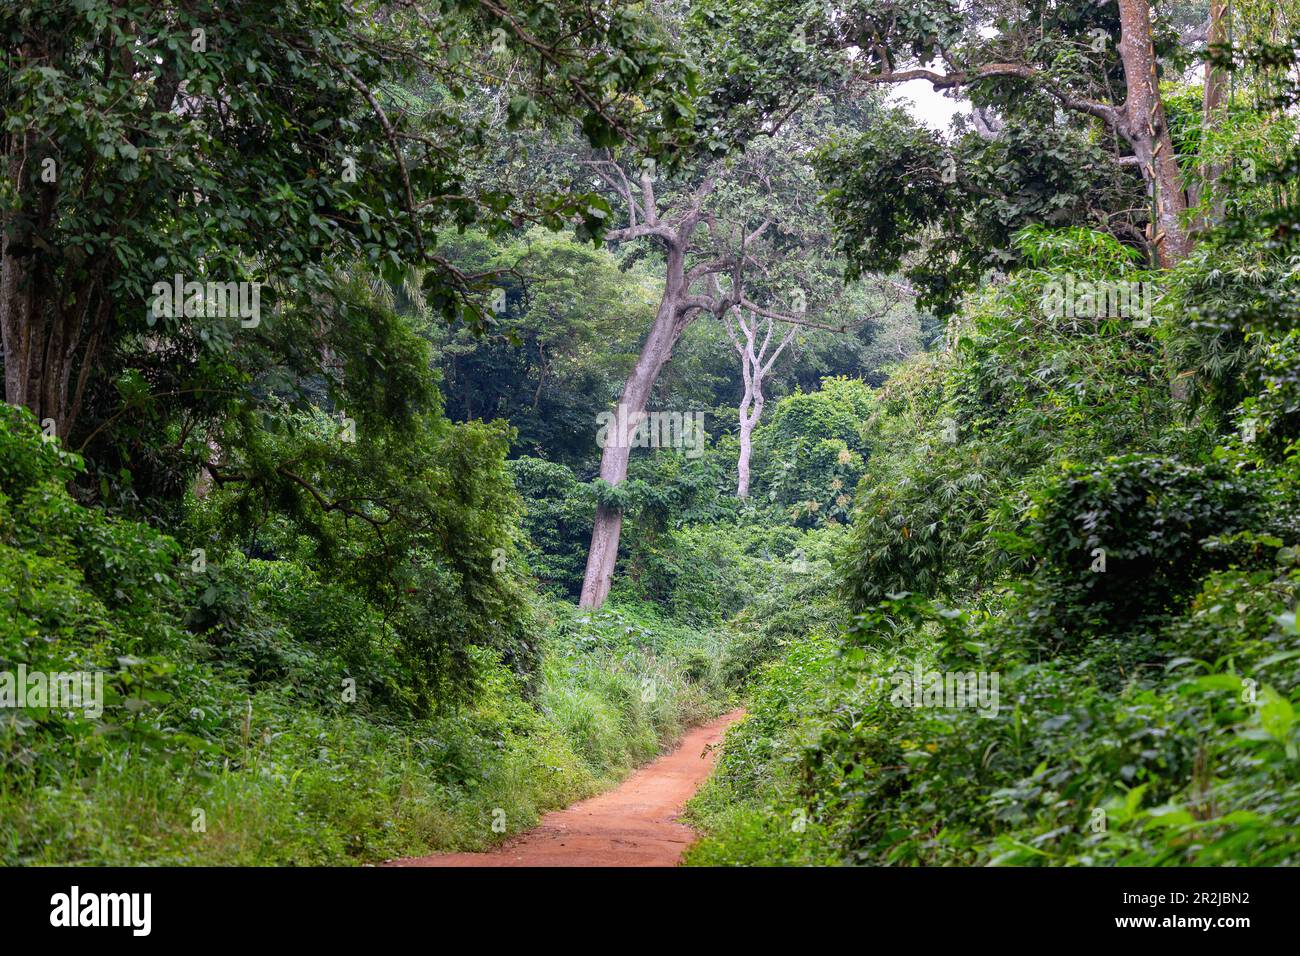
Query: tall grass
{"points": [[312, 788]]}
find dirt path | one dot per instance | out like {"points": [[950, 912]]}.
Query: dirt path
{"points": [[635, 824]]}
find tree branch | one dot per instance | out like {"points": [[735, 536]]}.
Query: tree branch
{"points": [[946, 81]]}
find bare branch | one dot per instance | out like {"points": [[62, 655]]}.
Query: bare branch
{"points": [[620, 185], [754, 307], [648, 198], [636, 232]]}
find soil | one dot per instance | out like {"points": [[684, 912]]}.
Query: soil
{"points": [[635, 824]]}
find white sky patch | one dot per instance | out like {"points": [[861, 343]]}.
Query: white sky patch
{"points": [[927, 105]]}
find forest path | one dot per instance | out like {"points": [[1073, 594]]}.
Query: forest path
{"points": [[635, 824]]}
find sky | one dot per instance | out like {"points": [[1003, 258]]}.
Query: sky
{"points": [[927, 105]]}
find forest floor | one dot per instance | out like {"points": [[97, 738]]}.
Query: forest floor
{"points": [[635, 824]]}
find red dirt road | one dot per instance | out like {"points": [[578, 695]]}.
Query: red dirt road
{"points": [[635, 824]]}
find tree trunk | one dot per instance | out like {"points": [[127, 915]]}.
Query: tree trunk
{"points": [[46, 330], [45, 341], [656, 351], [1146, 128], [755, 363], [17, 290], [1216, 89], [751, 409]]}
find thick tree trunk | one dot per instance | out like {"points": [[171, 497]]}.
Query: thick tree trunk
{"points": [[656, 351], [15, 323], [1146, 128], [54, 311], [46, 331], [17, 290], [45, 343]]}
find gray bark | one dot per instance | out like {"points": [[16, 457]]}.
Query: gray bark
{"points": [[678, 307]]}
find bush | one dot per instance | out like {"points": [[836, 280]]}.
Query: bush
{"points": [[1127, 540], [1145, 712], [808, 455], [225, 696], [558, 514]]}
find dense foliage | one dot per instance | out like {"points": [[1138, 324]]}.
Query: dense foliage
{"points": [[1122, 558], [1013, 570]]}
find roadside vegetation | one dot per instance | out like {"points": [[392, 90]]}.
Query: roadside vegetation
{"points": [[262, 719], [418, 414]]}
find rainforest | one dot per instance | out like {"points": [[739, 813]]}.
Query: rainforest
{"points": [[714, 433]]}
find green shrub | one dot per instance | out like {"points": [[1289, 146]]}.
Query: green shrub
{"points": [[558, 514], [261, 710], [1126, 540], [1146, 712], [808, 454]]}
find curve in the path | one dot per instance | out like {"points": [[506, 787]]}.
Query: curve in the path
{"points": [[635, 824]]}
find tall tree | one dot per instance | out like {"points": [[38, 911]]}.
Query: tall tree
{"points": [[751, 335], [1029, 60], [731, 234], [262, 141]]}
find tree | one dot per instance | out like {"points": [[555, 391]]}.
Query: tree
{"points": [[1139, 119], [675, 230], [263, 142], [563, 334], [1040, 65], [755, 363], [1215, 93], [724, 233]]}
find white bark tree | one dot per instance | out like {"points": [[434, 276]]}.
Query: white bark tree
{"points": [[755, 363], [758, 357]]}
